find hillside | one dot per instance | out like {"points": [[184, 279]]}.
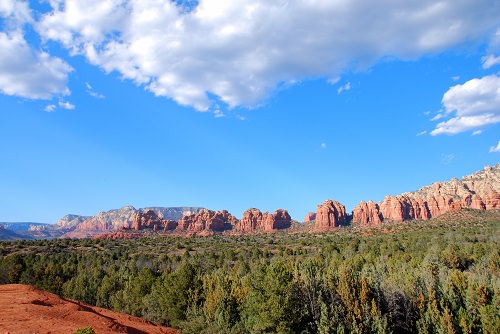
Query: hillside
{"points": [[29, 310]]}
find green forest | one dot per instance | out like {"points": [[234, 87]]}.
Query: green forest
{"points": [[400, 278]]}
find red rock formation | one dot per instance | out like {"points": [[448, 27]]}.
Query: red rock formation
{"points": [[492, 200], [254, 220], [150, 220], [251, 221], [330, 214], [367, 214], [310, 216], [280, 219], [480, 191], [207, 220]]}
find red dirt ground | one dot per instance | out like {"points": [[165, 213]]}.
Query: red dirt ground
{"points": [[27, 310]]}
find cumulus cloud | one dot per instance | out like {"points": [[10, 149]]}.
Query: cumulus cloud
{"points": [[240, 51], [472, 106], [27, 73], [495, 149], [24, 71]]}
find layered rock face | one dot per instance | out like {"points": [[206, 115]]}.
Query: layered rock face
{"points": [[330, 214], [207, 220], [254, 220], [109, 220], [480, 190], [71, 221], [149, 220]]}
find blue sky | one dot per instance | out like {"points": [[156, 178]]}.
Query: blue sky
{"points": [[238, 105]]}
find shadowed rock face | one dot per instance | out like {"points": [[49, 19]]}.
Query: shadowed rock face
{"points": [[480, 190], [330, 214]]}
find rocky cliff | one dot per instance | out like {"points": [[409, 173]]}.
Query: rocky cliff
{"points": [[149, 219], [253, 220], [480, 190], [330, 214], [208, 221]]}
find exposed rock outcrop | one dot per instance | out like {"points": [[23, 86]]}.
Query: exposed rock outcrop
{"points": [[280, 219], [367, 214], [330, 214], [251, 221], [142, 220], [71, 221], [480, 190], [110, 220], [310, 216], [117, 219], [254, 220], [207, 220]]}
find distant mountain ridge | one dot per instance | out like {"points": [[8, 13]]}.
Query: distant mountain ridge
{"points": [[20, 226], [116, 219], [480, 191]]}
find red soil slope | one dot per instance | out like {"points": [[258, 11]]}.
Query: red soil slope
{"points": [[25, 309]]}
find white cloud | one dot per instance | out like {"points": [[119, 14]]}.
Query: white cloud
{"points": [[92, 92], [344, 88], [323, 146], [495, 149], [455, 78], [472, 106], [66, 105], [421, 133], [28, 73], [50, 108], [24, 71], [477, 132], [218, 113], [437, 117], [490, 61], [240, 51]]}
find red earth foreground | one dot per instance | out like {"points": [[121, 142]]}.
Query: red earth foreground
{"points": [[27, 310]]}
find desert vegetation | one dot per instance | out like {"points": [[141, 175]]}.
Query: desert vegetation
{"points": [[434, 277]]}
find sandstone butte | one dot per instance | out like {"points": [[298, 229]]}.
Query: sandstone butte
{"points": [[254, 220], [480, 190], [330, 214], [26, 309]]}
